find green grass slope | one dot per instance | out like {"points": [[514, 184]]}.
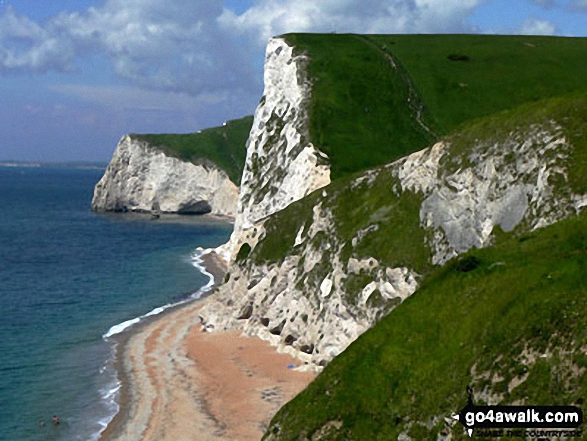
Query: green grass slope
{"points": [[377, 98], [359, 115], [487, 73], [224, 146], [516, 311], [400, 239]]}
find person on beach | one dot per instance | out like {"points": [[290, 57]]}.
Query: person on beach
{"points": [[55, 420]]}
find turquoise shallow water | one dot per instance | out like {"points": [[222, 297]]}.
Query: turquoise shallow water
{"points": [[68, 275]]}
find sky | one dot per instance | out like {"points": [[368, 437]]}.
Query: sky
{"points": [[76, 75]]}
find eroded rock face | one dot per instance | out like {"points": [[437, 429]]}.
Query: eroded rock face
{"points": [[282, 165], [306, 296], [322, 294], [198, 207], [519, 182], [502, 184], [140, 177]]}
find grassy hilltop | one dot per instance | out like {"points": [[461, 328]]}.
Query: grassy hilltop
{"points": [[377, 98], [224, 146], [509, 320]]}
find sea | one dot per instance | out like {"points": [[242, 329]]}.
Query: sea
{"points": [[69, 280]]}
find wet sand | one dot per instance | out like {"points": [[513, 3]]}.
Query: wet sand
{"points": [[180, 383]]}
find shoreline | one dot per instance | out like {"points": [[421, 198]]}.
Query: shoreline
{"points": [[175, 218], [178, 382], [199, 261], [121, 339]]}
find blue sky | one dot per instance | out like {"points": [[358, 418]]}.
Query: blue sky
{"points": [[78, 74]]}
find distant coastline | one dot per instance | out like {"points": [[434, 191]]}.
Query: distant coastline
{"points": [[33, 164]]}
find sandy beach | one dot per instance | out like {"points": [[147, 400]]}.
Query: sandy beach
{"points": [[180, 383]]}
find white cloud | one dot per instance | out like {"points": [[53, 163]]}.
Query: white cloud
{"points": [[535, 26], [189, 47], [42, 51], [174, 46], [134, 98], [272, 17]]}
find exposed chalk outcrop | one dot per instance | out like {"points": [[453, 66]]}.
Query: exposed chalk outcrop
{"points": [[302, 304], [282, 164], [317, 300], [498, 184], [141, 177], [312, 281]]}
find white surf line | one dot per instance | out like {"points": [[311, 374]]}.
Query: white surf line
{"points": [[197, 262], [111, 395]]}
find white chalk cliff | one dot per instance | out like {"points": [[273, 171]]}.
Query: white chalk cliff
{"points": [[305, 303], [282, 165], [140, 175]]}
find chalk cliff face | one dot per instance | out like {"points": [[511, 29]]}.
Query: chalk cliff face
{"points": [[313, 277], [507, 184], [140, 176], [282, 164], [326, 290]]}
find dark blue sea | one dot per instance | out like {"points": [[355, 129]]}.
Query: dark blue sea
{"points": [[67, 277]]}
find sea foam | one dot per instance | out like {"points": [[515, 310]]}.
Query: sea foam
{"points": [[117, 329], [110, 394], [197, 262]]}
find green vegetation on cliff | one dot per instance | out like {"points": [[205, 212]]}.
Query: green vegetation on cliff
{"points": [[508, 320], [399, 239], [377, 98], [224, 146], [492, 318], [360, 115], [464, 77]]}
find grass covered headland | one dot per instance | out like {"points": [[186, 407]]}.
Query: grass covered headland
{"points": [[509, 320], [376, 98], [224, 146]]}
